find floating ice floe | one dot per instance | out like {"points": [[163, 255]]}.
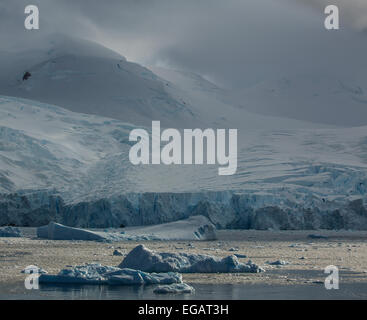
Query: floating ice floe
{"points": [[10, 232], [99, 274], [193, 228], [174, 289], [150, 261]]}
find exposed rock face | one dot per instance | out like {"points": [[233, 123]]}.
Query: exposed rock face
{"points": [[223, 209], [147, 260]]}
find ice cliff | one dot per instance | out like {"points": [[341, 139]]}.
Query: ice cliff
{"points": [[223, 209]]}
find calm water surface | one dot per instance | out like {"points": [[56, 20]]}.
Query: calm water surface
{"points": [[203, 291]]}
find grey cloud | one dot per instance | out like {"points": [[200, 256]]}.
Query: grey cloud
{"points": [[236, 43]]}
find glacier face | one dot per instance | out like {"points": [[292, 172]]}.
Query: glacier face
{"points": [[223, 209]]}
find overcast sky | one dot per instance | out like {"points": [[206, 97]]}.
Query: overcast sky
{"points": [[235, 42]]}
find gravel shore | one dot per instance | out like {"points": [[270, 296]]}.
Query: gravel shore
{"points": [[307, 256]]}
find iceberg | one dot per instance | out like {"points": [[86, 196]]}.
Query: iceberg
{"points": [[10, 232], [193, 228], [99, 274], [56, 231], [174, 289], [150, 261], [278, 263], [130, 276]]}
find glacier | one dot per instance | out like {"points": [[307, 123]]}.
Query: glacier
{"points": [[71, 168], [64, 153]]}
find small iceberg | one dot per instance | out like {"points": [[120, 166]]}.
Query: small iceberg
{"points": [[278, 263], [175, 288], [57, 231], [193, 228], [10, 232]]}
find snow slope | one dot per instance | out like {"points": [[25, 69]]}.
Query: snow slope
{"points": [[336, 100], [84, 156], [86, 77], [217, 107], [44, 146]]}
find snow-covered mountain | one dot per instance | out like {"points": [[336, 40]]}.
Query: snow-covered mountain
{"points": [[86, 77], [64, 153], [330, 99], [218, 108]]}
